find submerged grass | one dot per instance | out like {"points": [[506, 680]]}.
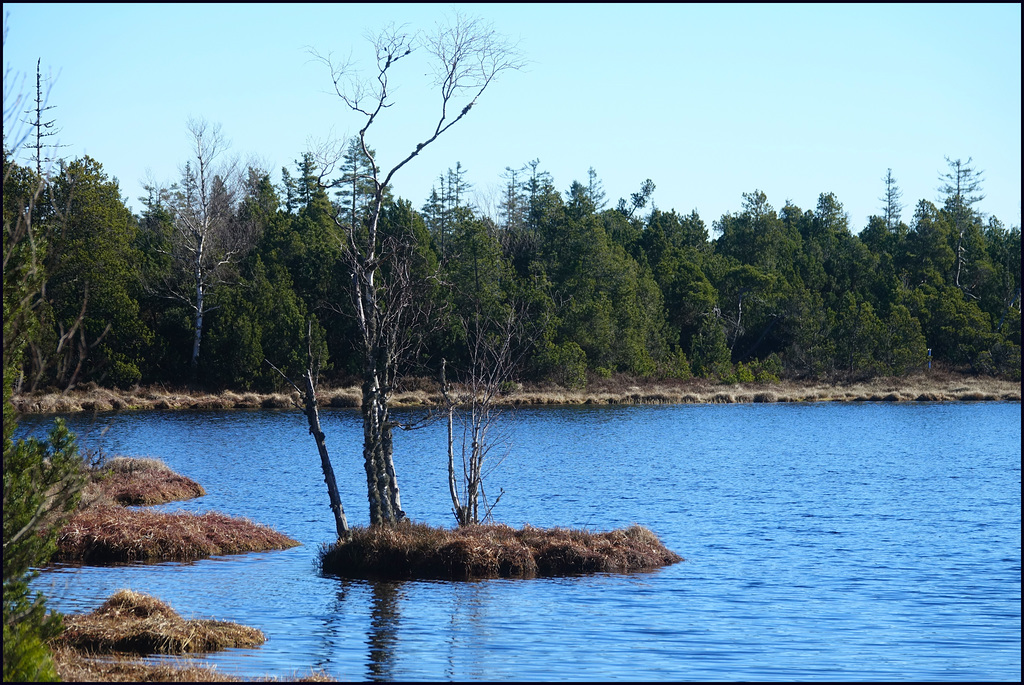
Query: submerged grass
{"points": [[104, 534], [105, 645], [140, 624], [415, 550], [83, 666]]}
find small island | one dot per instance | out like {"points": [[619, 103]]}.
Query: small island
{"points": [[103, 530]]}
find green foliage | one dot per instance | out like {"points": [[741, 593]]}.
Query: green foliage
{"points": [[858, 333], [676, 365], [767, 370], [41, 484], [903, 348], [92, 283], [744, 374], [261, 318], [959, 331], [709, 352], [564, 364], [794, 292], [42, 479]]}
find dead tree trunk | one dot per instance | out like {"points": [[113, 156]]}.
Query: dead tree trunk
{"points": [[313, 418], [309, 408]]}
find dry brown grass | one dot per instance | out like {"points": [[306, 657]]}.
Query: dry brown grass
{"points": [[104, 534], [78, 666], [136, 623], [492, 551], [139, 481], [935, 386], [103, 646]]}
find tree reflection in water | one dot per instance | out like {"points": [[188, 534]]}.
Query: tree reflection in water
{"points": [[383, 633]]}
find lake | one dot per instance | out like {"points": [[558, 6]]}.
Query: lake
{"points": [[832, 541]]}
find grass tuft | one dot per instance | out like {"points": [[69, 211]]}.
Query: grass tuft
{"points": [[415, 550], [103, 535], [140, 624], [140, 481]]}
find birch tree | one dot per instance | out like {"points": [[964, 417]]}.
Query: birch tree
{"points": [[496, 344], [205, 240], [466, 57]]}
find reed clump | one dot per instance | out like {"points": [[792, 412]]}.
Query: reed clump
{"points": [[106, 534], [83, 666], [140, 481], [137, 623], [415, 550]]}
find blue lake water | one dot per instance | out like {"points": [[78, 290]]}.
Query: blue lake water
{"points": [[862, 541]]}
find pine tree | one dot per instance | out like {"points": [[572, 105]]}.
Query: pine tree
{"points": [[43, 129]]}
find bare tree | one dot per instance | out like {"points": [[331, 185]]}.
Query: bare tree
{"points": [[467, 56], [206, 241], [962, 188], [496, 346]]}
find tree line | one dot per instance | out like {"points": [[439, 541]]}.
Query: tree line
{"points": [[225, 268]]}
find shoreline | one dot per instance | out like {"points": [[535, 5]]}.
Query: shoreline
{"points": [[924, 387]]}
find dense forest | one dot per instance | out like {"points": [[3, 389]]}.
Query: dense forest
{"points": [[226, 268]]}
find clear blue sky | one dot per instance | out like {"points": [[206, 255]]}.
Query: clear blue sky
{"points": [[707, 101]]}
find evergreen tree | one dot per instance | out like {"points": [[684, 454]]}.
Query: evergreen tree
{"points": [[41, 478], [962, 189], [355, 186], [290, 191], [95, 330], [709, 351], [892, 207]]}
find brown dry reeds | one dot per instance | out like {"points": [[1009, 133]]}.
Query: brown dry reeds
{"points": [[942, 386], [142, 481], [105, 645], [103, 534], [140, 624], [412, 550], [79, 666]]}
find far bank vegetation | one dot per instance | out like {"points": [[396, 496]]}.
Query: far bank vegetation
{"points": [[920, 387]]}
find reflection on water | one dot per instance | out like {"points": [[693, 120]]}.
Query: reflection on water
{"points": [[383, 634], [823, 542]]}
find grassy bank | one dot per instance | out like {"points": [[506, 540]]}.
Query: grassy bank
{"points": [[937, 386], [104, 531], [412, 550], [103, 646]]}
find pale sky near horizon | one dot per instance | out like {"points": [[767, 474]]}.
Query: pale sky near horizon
{"points": [[708, 101]]}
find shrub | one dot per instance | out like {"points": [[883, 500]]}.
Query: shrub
{"points": [[767, 370], [42, 480], [564, 364]]}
